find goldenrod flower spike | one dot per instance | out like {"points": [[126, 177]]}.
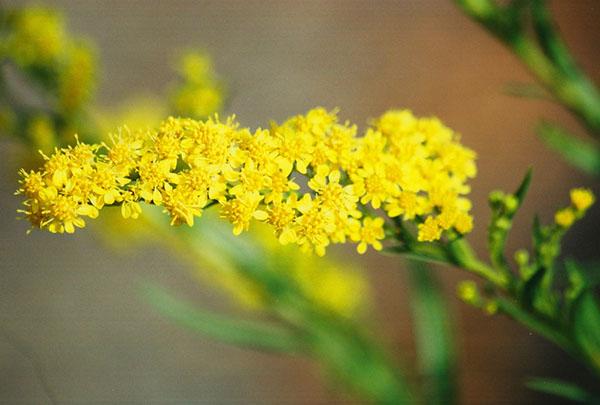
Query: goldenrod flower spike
{"points": [[403, 166]]}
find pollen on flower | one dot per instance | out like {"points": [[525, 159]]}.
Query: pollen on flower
{"points": [[403, 166]]}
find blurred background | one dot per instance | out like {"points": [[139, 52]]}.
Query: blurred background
{"points": [[72, 321]]}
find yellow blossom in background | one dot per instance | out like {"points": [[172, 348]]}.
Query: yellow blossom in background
{"points": [[76, 80], [35, 41], [41, 132], [37, 36], [403, 165], [331, 284], [198, 94]]}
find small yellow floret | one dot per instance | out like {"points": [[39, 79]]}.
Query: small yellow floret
{"points": [[429, 230], [370, 233], [565, 217], [582, 198]]}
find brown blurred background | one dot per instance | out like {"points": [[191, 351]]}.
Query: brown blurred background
{"points": [[70, 315]]}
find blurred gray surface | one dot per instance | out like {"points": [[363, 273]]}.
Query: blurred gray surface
{"points": [[72, 324]]}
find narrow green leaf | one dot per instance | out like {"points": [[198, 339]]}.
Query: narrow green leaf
{"points": [[577, 284], [537, 233], [589, 272], [549, 38], [242, 333], [559, 388], [586, 326], [433, 336], [524, 186], [581, 154], [530, 289], [355, 359], [504, 208]]}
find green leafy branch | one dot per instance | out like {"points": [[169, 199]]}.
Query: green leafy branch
{"points": [[568, 316], [543, 52], [350, 354], [526, 27]]}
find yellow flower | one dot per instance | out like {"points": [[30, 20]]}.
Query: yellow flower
{"points": [[582, 198], [281, 215], [182, 205], [154, 175], [376, 187], [332, 194], [564, 217], [314, 226], [407, 204], [463, 223], [241, 210], [370, 233], [429, 230]]}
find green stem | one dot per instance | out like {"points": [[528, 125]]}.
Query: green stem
{"points": [[462, 255], [564, 80], [543, 327], [574, 91], [433, 334]]}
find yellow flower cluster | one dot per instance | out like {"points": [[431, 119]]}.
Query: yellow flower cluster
{"points": [[403, 166], [581, 200]]}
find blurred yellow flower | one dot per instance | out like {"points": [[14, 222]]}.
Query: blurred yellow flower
{"points": [[198, 93], [564, 217], [582, 198]]}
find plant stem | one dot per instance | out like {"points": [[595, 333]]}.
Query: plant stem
{"points": [[548, 58], [462, 255], [575, 91], [433, 334]]}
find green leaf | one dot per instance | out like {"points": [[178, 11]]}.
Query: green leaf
{"points": [[241, 333], [524, 186], [504, 208], [560, 388], [537, 233], [549, 39], [433, 336], [586, 326], [531, 288], [588, 272], [581, 154], [577, 283]]}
